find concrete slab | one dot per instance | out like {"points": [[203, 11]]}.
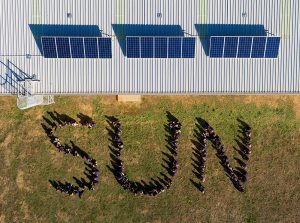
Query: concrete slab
{"points": [[129, 98]]}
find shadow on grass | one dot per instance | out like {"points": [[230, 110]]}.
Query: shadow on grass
{"points": [[203, 132], [92, 174], [199, 154], [157, 184], [244, 149]]}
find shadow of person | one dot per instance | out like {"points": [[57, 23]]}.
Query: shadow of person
{"points": [[54, 117], [80, 152], [64, 117], [240, 162], [243, 155], [50, 123], [244, 124], [54, 183], [110, 120], [171, 117], [46, 129], [79, 182], [84, 119], [199, 186], [204, 124]]}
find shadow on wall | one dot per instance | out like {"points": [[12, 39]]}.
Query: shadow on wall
{"points": [[10, 75], [39, 30], [124, 30], [205, 31]]}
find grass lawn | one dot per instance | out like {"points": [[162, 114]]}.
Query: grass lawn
{"points": [[29, 161]]}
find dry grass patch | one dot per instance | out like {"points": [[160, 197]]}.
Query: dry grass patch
{"points": [[62, 216], [86, 105], [20, 181], [56, 158], [4, 190], [270, 101], [297, 106], [25, 210], [2, 218], [5, 146]]}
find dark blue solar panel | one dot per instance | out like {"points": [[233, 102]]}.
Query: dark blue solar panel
{"points": [[49, 47], [272, 47], [188, 47], [147, 44], [174, 47], [216, 46], [230, 49], [91, 47], [258, 47], [161, 47], [77, 48], [245, 44], [133, 47], [104, 46], [63, 47]]}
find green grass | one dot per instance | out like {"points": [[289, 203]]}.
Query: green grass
{"points": [[28, 161]]}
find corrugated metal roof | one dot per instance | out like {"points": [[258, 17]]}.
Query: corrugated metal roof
{"points": [[120, 75]]}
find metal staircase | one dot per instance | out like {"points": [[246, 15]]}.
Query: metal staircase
{"points": [[17, 82]]}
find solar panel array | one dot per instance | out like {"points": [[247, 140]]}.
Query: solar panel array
{"points": [[160, 47], [76, 47], [244, 47]]}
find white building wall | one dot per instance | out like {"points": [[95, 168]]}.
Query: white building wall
{"points": [[118, 75]]}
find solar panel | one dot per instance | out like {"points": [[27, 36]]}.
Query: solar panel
{"points": [[147, 50], [230, 48], [77, 47], [188, 47], [272, 47], [244, 47], [63, 47], [245, 44], [161, 47], [258, 47], [133, 47], [49, 47], [91, 47], [216, 46], [174, 47], [104, 46]]}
